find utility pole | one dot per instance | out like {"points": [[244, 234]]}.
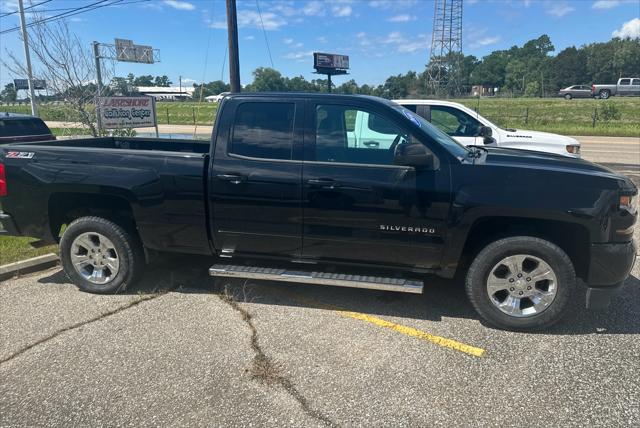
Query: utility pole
{"points": [[180, 80], [96, 55], [27, 57], [234, 61]]}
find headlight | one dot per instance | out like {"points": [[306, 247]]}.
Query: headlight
{"points": [[628, 202], [573, 149]]}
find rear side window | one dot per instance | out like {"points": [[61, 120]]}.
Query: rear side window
{"points": [[625, 81], [263, 130], [635, 82], [22, 127]]}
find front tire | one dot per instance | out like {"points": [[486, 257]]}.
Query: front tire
{"points": [[99, 256], [521, 283], [567, 97]]}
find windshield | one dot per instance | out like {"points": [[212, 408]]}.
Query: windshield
{"points": [[451, 145]]}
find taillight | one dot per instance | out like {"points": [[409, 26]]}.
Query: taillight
{"points": [[3, 181]]}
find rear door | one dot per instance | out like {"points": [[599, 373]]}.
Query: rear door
{"points": [[359, 207], [255, 192], [635, 86]]}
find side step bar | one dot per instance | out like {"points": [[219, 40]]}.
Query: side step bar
{"points": [[323, 278]]}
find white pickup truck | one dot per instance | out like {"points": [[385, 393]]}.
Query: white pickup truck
{"points": [[469, 128]]}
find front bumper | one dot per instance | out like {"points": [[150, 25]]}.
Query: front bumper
{"points": [[7, 225], [610, 265]]}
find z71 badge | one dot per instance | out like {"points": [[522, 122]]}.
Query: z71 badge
{"points": [[20, 155]]}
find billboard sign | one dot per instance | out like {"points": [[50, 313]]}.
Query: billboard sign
{"points": [[127, 51], [127, 112], [330, 61], [24, 84]]}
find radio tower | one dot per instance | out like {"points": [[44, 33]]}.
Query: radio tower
{"points": [[446, 49]]}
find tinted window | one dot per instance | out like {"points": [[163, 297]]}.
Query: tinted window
{"points": [[351, 135], [22, 127], [454, 122], [635, 82], [263, 130], [625, 81]]}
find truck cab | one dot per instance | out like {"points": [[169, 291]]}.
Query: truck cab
{"points": [[470, 128]]}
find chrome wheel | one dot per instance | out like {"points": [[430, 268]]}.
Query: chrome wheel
{"points": [[95, 258], [522, 285]]}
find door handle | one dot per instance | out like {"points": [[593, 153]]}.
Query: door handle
{"points": [[324, 183], [232, 178]]}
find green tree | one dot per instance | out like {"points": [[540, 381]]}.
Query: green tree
{"points": [[212, 88], [162, 81], [145, 80], [568, 68], [267, 80], [9, 93]]}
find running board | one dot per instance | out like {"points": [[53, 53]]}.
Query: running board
{"points": [[321, 278]]}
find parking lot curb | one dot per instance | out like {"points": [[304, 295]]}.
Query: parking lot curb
{"points": [[28, 266]]}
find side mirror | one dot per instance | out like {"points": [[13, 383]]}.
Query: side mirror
{"points": [[415, 155], [485, 131]]}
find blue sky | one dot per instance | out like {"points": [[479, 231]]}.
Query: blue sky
{"points": [[381, 37]]}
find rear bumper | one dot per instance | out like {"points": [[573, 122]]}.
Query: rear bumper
{"points": [[610, 265], [7, 225]]}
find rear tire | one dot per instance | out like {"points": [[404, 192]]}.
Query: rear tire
{"points": [[605, 94], [521, 283], [100, 256]]}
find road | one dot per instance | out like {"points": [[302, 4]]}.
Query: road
{"points": [[182, 349]]}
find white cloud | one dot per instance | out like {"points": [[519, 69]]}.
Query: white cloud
{"points": [[470, 2], [559, 9], [251, 18], [404, 44], [249, 37], [341, 10], [321, 39], [485, 41], [402, 18], [300, 56], [313, 8], [287, 40], [527, 3], [392, 4], [605, 4], [179, 4], [629, 30]]}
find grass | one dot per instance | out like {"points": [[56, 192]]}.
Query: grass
{"points": [[14, 248], [557, 115], [574, 117]]}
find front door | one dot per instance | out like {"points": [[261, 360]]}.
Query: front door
{"points": [[255, 190], [358, 205]]}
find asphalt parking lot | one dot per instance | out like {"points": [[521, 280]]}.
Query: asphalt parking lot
{"points": [[182, 349]]}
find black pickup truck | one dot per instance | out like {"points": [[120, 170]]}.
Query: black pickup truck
{"points": [[289, 190]]}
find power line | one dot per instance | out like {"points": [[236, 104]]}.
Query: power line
{"points": [[76, 11], [25, 9], [266, 40], [73, 8]]}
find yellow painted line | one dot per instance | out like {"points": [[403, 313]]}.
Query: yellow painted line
{"points": [[407, 331]]}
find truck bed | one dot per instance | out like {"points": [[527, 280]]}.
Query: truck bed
{"points": [[159, 182]]}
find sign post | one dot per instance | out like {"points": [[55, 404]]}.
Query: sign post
{"points": [[330, 65]]}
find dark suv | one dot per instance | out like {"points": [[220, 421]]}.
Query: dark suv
{"points": [[16, 128]]}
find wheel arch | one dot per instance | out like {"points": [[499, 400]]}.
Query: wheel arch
{"points": [[64, 207], [572, 238]]}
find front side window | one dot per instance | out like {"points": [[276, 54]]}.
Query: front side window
{"points": [[454, 122], [263, 130], [352, 135]]}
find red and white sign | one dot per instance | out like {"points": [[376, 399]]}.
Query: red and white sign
{"points": [[127, 112]]}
